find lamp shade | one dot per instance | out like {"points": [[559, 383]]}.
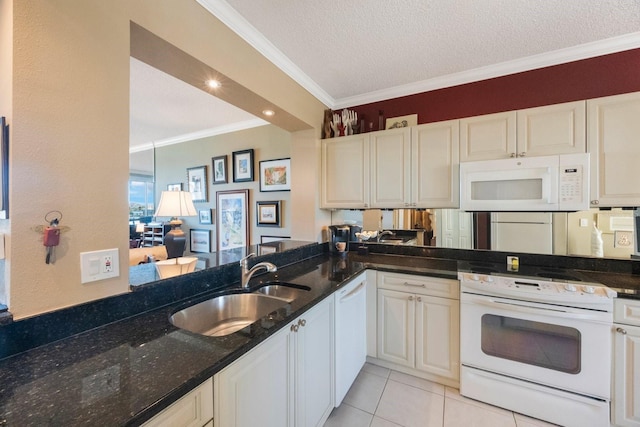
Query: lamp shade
{"points": [[176, 267], [176, 204]]}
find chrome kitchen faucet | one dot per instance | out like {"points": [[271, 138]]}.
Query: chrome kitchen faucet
{"points": [[247, 273]]}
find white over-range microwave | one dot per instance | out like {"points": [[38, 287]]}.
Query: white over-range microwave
{"points": [[547, 183]]}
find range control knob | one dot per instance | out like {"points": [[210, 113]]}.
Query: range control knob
{"points": [[589, 289], [570, 287], [475, 277]]}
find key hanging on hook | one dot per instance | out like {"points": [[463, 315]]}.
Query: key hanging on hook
{"points": [[51, 239]]}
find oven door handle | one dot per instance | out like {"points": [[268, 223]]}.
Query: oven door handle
{"points": [[521, 308]]}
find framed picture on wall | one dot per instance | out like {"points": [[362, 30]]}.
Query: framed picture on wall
{"points": [[197, 179], [204, 216], [243, 166], [275, 175], [232, 219], [219, 165], [268, 214], [270, 239], [200, 241]]}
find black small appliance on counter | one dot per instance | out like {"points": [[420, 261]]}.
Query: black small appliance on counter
{"points": [[342, 233]]}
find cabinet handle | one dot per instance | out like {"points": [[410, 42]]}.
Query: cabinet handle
{"points": [[419, 299], [522, 154], [415, 285], [302, 322], [513, 155], [622, 331], [595, 202], [411, 298], [294, 328]]}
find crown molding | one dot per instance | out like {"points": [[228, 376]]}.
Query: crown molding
{"points": [[232, 19], [547, 59], [219, 130], [228, 16]]}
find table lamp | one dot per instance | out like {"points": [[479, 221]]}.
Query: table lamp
{"points": [[175, 204]]}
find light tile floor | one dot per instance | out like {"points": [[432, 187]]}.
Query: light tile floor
{"points": [[382, 397]]}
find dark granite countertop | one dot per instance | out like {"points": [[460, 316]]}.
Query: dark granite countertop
{"points": [[125, 372]]}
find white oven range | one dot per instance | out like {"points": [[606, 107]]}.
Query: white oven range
{"points": [[540, 347]]}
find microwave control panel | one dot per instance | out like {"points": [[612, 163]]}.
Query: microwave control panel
{"points": [[574, 181]]}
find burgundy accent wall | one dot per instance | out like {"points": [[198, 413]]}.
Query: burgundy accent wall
{"points": [[588, 78]]}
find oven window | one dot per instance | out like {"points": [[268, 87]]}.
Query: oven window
{"points": [[534, 343]]}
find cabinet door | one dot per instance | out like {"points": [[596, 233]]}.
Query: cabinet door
{"points": [[192, 410], [391, 168], [435, 165], [314, 365], [438, 336], [552, 129], [492, 136], [345, 172], [396, 327], [613, 132], [255, 389], [626, 376]]}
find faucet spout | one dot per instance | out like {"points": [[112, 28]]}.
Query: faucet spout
{"points": [[247, 273], [385, 233]]}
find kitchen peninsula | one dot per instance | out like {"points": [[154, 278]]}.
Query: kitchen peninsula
{"points": [[127, 370]]}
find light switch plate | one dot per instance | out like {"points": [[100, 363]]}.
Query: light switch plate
{"points": [[99, 265]]}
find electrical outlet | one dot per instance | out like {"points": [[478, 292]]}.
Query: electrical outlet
{"points": [[107, 264], [99, 265]]}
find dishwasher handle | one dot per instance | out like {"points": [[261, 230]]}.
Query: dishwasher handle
{"points": [[353, 293]]}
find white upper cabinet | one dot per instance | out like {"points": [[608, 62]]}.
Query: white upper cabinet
{"points": [[390, 168], [345, 172], [435, 156], [397, 168], [541, 131], [487, 137], [614, 143], [552, 129]]}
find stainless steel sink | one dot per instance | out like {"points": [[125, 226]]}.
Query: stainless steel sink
{"points": [[283, 290], [226, 314]]}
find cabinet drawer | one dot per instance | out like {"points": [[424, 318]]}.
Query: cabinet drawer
{"points": [[423, 285], [626, 311], [193, 410]]}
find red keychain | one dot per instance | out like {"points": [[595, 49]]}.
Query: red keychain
{"points": [[51, 239]]}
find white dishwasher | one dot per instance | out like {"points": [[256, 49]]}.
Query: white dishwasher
{"points": [[351, 334]]}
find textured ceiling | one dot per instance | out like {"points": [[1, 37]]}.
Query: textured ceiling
{"points": [[355, 49], [349, 53]]}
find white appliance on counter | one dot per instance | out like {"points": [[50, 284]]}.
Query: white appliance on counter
{"points": [[537, 346], [548, 183], [530, 232], [350, 334]]}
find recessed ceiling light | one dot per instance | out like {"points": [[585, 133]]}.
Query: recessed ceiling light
{"points": [[213, 84], [268, 112]]}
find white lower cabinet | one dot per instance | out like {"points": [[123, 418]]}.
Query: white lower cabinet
{"points": [[626, 363], [419, 324], [195, 409], [285, 381]]}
